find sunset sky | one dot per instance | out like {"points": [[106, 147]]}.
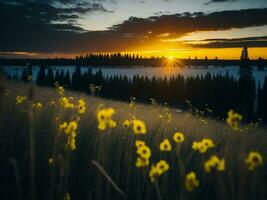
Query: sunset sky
{"points": [[180, 28]]}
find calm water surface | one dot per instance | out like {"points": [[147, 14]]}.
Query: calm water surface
{"points": [[148, 71]]}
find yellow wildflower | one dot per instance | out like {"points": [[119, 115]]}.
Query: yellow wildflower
{"points": [[233, 120], [162, 166], [144, 152], [139, 127], [165, 145], [139, 143], [253, 160], [20, 99], [37, 106], [203, 145], [126, 123], [81, 106], [70, 130], [214, 162], [72, 127], [141, 162], [65, 102], [191, 181], [178, 137], [158, 169], [104, 118], [63, 125], [208, 142], [153, 173]]}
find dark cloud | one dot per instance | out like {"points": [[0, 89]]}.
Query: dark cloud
{"points": [[39, 26], [235, 42], [219, 1]]}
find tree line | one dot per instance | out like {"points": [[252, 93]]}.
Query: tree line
{"points": [[128, 60], [218, 93]]}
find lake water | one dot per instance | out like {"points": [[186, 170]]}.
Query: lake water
{"points": [[148, 71]]}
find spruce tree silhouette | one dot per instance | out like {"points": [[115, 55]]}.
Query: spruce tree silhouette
{"points": [[247, 86], [41, 76], [264, 99]]}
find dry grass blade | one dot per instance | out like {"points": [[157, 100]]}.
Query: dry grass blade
{"points": [[109, 179]]}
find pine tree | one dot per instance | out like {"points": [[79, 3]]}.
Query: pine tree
{"points": [[246, 86]]}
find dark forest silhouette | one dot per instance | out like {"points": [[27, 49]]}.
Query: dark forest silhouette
{"points": [[128, 60], [218, 93]]}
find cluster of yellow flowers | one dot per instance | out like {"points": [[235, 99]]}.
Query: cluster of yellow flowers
{"points": [[138, 126], [158, 169], [65, 102], [143, 152], [191, 181], [70, 130], [203, 145], [234, 120], [20, 99], [253, 160], [214, 162], [37, 106], [104, 118], [81, 106]]}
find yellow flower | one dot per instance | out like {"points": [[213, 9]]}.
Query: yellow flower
{"points": [[153, 173], [104, 118], [81, 106], [158, 169], [208, 142], [139, 143], [139, 127], [178, 137], [20, 99], [102, 126], [29, 78], [65, 102], [144, 152], [63, 125], [203, 145], [141, 162], [70, 130], [37, 106], [112, 124], [162, 166], [165, 145], [72, 127], [233, 120], [191, 181], [126, 123], [253, 160], [214, 162]]}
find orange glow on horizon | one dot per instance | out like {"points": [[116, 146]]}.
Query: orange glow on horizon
{"points": [[171, 54]]}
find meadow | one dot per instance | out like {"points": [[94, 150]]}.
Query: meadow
{"points": [[59, 144]]}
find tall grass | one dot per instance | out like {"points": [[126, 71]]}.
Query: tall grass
{"points": [[103, 166]]}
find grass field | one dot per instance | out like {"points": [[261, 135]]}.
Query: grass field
{"points": [[37, 164]]}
